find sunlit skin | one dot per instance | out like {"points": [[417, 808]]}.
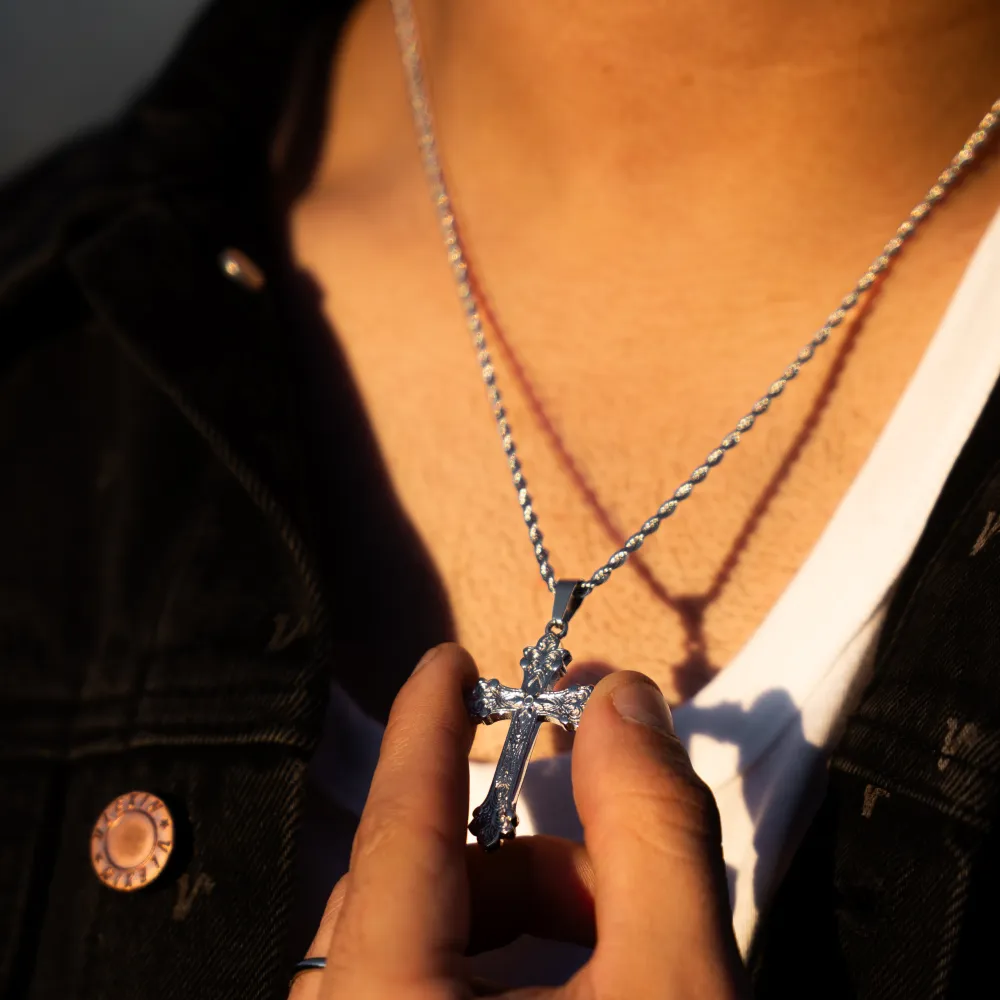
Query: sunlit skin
{"points": [[662, 202]]}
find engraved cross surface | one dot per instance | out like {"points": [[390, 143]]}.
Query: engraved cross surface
{"points": [[527, 708]]}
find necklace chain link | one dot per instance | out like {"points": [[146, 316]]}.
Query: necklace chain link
{"points": [[406, 32]]}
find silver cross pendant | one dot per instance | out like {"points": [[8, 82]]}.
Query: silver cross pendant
{"points": [[527, 708]]}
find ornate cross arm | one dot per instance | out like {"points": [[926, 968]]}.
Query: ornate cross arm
{"points": [[491, 701], [565, 707]]}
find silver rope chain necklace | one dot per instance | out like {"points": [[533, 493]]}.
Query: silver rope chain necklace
{"points": [[546, 661]]}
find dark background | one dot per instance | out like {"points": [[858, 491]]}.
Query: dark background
{"points": [[68, 64]]}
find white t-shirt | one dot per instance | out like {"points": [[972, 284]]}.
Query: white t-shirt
{"points": [[759, 732]]}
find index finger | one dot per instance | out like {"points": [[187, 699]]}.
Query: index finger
{"points": [[406, 909]]}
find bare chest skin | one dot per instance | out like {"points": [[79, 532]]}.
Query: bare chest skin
{"points": [[638, 387], [649, 305]]}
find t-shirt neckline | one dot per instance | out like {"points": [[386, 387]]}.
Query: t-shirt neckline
{"points": [[844, 580]]}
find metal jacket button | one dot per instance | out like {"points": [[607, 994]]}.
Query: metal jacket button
{"points": [[238, 266], [132, 840]]}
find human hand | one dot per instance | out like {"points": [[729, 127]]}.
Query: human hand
{"points": [[647, 890]]}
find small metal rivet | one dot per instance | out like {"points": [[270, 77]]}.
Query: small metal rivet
{"points": [[131, 841], [238, 266]]}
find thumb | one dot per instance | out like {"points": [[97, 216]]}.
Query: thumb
{"points": [[653, 834]]}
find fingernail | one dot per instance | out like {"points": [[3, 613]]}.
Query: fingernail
{"points": [[426, 658], [638, 701]]}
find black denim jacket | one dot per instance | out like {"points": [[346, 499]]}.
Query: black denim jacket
{"points": [[175, 527]]}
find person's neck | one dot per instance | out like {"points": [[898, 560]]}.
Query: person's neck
{"points": [[636, 81], [583, 91]]}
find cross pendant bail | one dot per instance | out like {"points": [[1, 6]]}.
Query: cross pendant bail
{"points": [[567, 598]]}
